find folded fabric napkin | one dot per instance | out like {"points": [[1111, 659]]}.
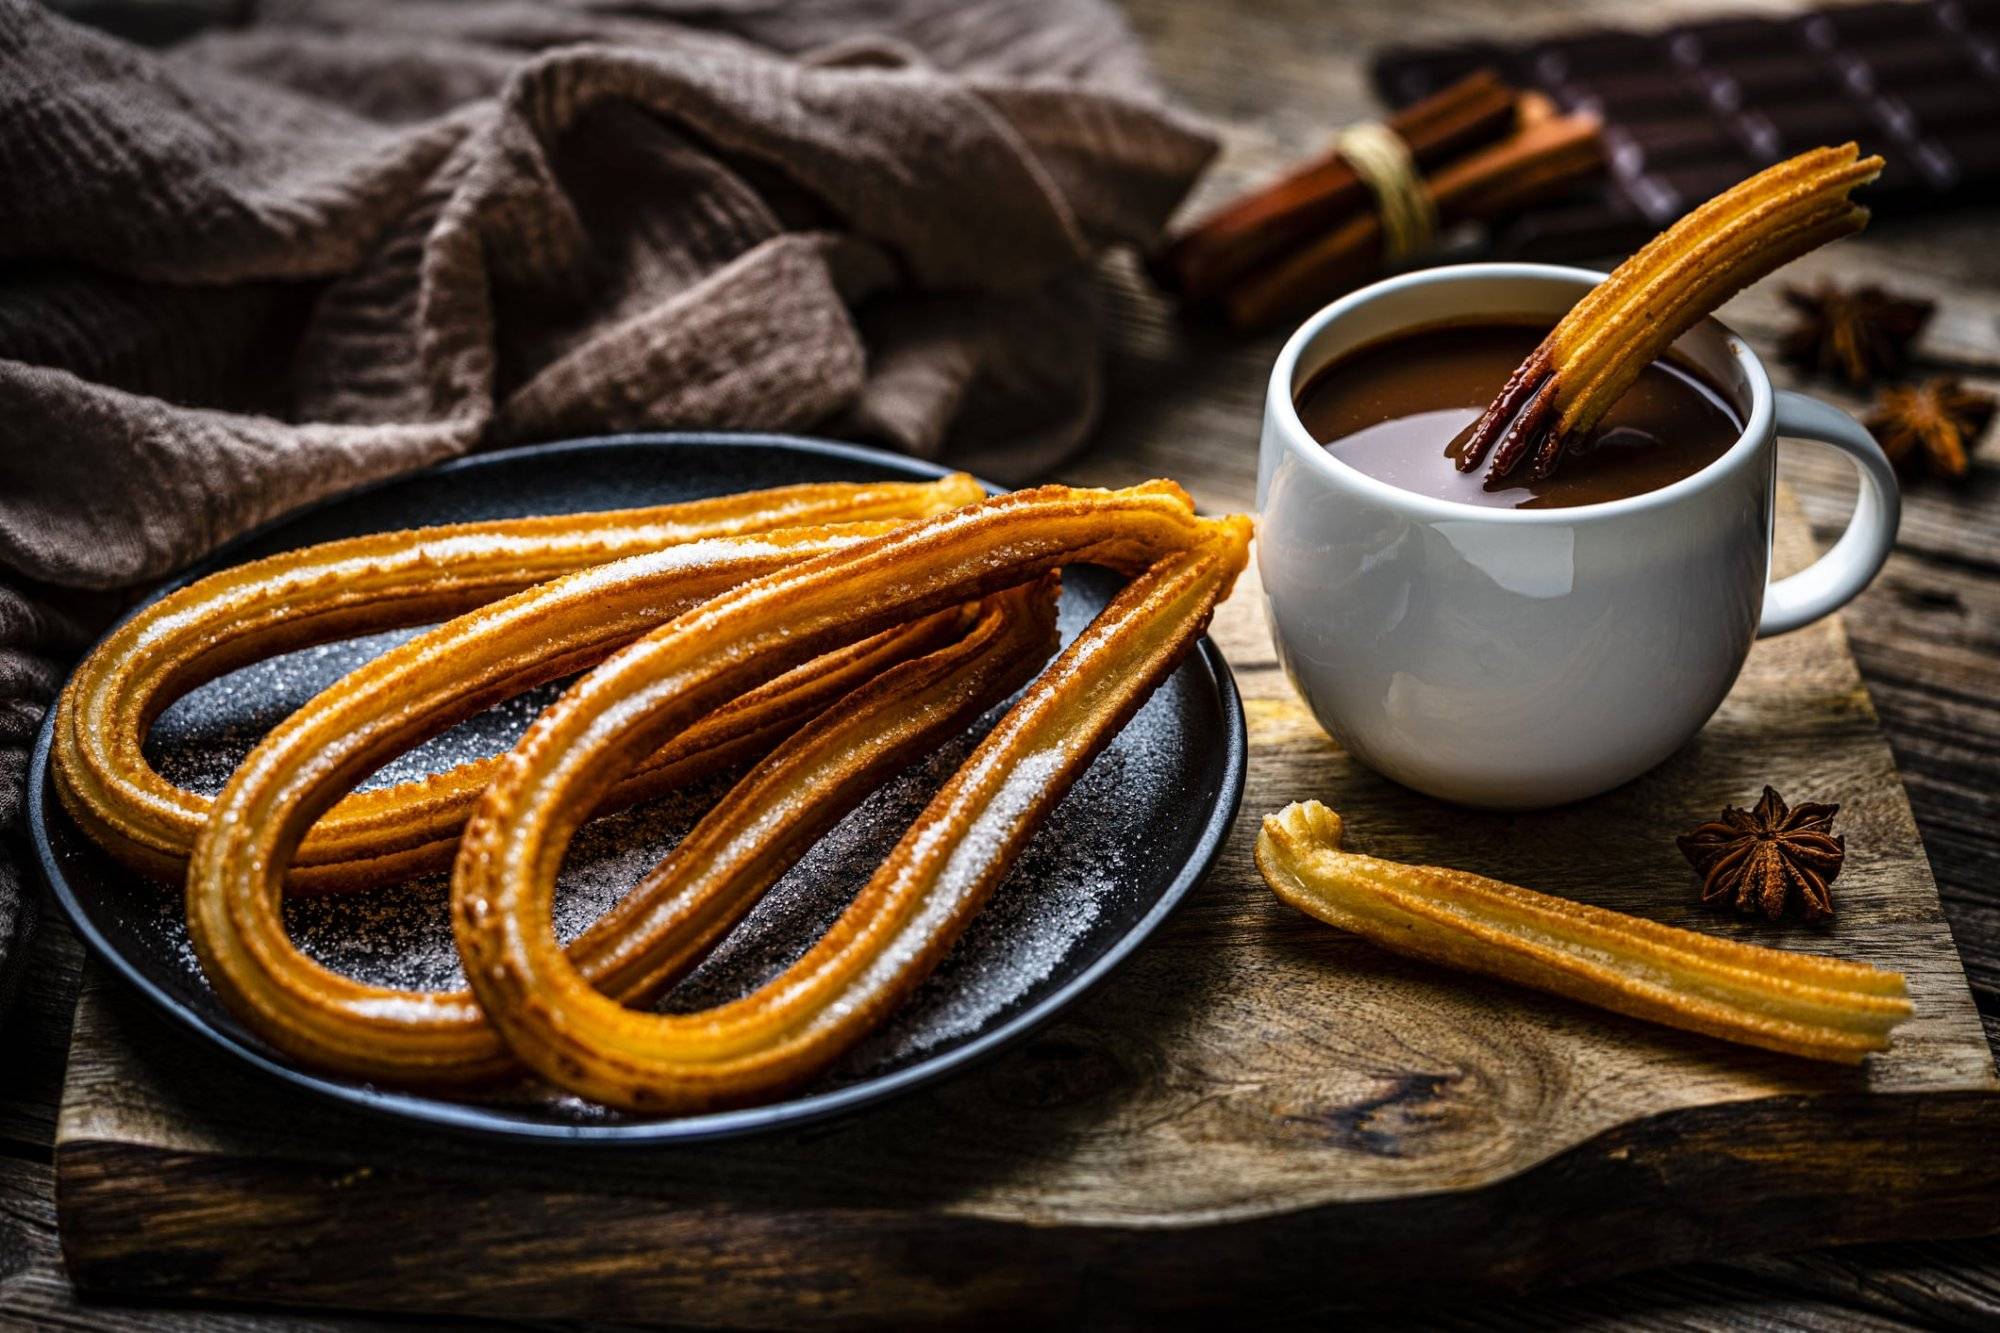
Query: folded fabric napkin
{"points": [[359, 236]]}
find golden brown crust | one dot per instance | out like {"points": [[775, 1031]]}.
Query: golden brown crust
{"points": [[1567, 384], [908, 915], [666, 925], [1820, 1008], [826, 593], [364, 584], [662, 926]]}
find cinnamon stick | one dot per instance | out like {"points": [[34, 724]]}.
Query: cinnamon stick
{"points": [[1208, 258], [1543, 158]]}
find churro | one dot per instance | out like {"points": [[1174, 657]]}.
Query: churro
{"points": [[663, 926], [908, 915], [1559, 394], [1801, 1004], [383, 581]]}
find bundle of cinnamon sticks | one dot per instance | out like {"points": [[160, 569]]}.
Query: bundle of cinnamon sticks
{"points": [[1483, 151]]}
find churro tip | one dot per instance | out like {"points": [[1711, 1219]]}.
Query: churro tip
{"points": [[1240, 527], [1308, 821], [960, 488], [1164, 486]]}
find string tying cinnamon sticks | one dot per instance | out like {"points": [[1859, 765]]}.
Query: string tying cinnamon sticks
{"points": [[1547, 155], [1478, 151], [1203, 261], [1385, 165], [1559, 394]]}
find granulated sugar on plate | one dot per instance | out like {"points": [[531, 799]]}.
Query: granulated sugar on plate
{"points": [[1037, 914], [198, 741], [1056, 893], [401, 936], [1068, 893]]}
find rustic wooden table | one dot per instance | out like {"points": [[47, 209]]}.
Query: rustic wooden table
{"points": [[1275, 77]]}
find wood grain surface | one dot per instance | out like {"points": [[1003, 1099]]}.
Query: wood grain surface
{"points": [[1183, 401]]}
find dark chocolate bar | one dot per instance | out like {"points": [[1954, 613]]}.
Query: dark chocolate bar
{"points": [[1690, 110]]}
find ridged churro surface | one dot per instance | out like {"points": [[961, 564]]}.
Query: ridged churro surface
{"points": [[387, 580], [909, 914], [1801, 1004], [1559, 394], [924, 625], [441, 1038]]}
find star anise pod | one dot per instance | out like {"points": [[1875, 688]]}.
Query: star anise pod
{"points": [[1939, 420], [1856, 335], [1759, 858]]}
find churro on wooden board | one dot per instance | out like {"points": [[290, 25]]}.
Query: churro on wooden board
{"points": [[1801, 1004]]}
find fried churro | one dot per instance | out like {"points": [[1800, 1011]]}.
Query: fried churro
{"points": [[908, 915], [1559, 394], [383, 581], [658, 930], [1800, 1004], [840, 651]]}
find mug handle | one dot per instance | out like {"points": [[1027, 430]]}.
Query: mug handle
{"points": [[1833, 580]]}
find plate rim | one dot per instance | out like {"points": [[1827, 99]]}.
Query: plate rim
{"points": [[483, 1122]]}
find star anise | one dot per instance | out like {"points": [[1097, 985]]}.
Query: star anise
{"points": [[1938, 420], [1759, 858], [1855, 335]]}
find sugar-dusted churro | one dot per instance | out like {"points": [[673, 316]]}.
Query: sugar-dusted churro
{"points": [[663, 926], [1821, 1008], [908, 915], [1567, 384], [365, 584]]}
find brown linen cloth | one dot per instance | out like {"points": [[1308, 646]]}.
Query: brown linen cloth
{"points": [[360, 236]]}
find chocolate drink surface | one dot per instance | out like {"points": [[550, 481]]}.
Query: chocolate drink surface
{"points": [[1400, 410]]}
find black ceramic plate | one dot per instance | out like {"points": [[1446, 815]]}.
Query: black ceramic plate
{"points": [[1130, 839]]}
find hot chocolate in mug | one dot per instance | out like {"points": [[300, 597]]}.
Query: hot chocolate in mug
{"points": [[1516, 658]]}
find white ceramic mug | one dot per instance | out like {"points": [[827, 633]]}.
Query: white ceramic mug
{"points": [[1516, 658]]}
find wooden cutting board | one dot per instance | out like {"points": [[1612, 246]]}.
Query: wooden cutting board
{"points": [[1256, 1110]]}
